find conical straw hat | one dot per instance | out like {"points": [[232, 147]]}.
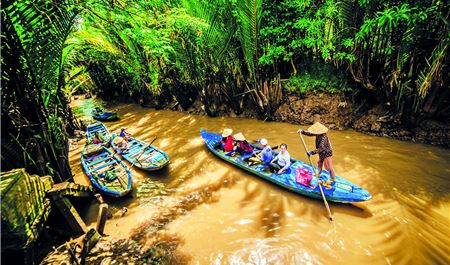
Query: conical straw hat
{"points": [[227, 132], [118, 140], [239, 137], [317, 128]]}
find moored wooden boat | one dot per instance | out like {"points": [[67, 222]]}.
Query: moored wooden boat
{"points": [[100, 128], [341, 191], [106, 116], [106, 171], [143, 155]]}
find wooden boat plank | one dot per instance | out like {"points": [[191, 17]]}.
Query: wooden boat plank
{"points": [[98, 161], [133, 149], [94, 158]]}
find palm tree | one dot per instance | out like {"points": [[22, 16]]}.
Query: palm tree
{"points": [[34, 109]]}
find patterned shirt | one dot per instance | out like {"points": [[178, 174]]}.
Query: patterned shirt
{"points": [[323, 145]]}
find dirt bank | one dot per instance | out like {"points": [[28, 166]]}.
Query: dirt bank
{"points": [[339, 112]]}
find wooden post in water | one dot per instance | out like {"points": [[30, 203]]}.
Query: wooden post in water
{"points": [[71, 215], [59, 193], [101, 218]]}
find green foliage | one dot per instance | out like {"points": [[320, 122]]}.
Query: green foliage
{"points": [[225, 51], [248, 15], [318, 79], [125, 50], [32, 45]]}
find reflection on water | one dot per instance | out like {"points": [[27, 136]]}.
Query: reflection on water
{"points": [[223, 215]]}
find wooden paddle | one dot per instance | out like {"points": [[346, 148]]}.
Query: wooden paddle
{"points": [[317, 177], [143, 151]]}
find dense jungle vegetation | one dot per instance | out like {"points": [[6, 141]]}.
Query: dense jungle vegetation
{"points": [[242, 54]]}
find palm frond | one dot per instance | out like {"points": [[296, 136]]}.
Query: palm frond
{"points": [[435, 64], [249, 15], [220, 26], [42, 27]]}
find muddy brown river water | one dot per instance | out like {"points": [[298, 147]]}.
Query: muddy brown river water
{"points": [[220, 214]]}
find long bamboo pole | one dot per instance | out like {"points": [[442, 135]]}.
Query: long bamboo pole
{"points": [[320, 185]]}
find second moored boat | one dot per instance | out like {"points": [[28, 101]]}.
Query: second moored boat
{"points": [[141, 154]]}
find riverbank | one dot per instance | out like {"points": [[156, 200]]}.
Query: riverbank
{"points": [[339, 112]]}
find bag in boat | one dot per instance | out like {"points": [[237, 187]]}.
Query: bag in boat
{"points": [[108, 176], [303, 176]]}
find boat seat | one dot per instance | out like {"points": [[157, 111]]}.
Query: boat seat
{"points": [[98, 161], [135, 147], [92, 158], [103, 165], [136, 151]]}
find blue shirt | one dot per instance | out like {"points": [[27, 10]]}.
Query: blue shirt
{"points": [[266, 154], [122, 133]]}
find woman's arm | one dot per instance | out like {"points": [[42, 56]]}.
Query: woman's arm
{"points": [[275, 159], [301, 131]]}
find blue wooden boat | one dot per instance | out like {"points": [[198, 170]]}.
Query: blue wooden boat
{"points": [[100, 128], [106, 116], [341, 191], [106, 172], [143, 155]]}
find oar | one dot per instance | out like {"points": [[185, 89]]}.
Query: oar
{"points": [[143, 151], [318, 181]]}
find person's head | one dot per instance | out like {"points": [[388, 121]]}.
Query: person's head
{"points": [[123, 128], [283, 148], [263, 142]]}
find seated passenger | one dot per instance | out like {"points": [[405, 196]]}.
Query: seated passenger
{"points": [[263, 156], [120, 144], [98, 139], [123, 133], [227, 140], [243, 147], [283, 160]]}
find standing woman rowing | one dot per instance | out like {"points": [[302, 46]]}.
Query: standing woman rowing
{"points": [[323, 147]]}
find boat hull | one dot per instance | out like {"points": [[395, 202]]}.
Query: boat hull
{"points": [[98, 165], [149, 158], [106, 116], [341, 191]]}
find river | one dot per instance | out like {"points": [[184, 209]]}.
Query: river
{"points": [[216, 213]]}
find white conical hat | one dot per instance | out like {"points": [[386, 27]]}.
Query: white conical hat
{"points": [[227, 132], [239, 137], [317, 128]]}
